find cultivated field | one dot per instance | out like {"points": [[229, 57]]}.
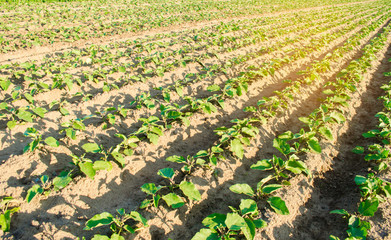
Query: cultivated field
{"points": [[215, 119]]}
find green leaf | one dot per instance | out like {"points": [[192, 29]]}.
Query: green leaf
{"points": [[101, 219], [5, 221], [79, 125], [271, 188], [358, 150], [25, 116], [368, 207], [259, 223], [249, 229], [248, 206], [242, 189], [176, 159], [278, 205], [51, 141], [11, 124], [153, 138], [190, 190], [32, 192], [173, 200], [40, 111], [91, 147], [314, 145], [138, 217], [340, 211], [62, 180], [119, 158], [149, 188], [338, 117], [116, 236], [282, 146], [264, 164], [213, 88], [103, 165], [88, 169], [215, 220], [166, 173], [234, 221], [237, 148], [64, 111], [326, 132], [206, 234]]}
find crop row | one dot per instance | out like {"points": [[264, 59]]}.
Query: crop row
{"points": [[214, 68], [291, 147], [116, 21], [248, 207]]}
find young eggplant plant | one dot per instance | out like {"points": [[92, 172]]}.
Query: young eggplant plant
{"points": [[120, 224], [230, 226], [172, 198], [37, 142], [6, 213]]}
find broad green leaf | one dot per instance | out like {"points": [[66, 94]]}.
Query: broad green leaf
{"points": [[215, 220], [79, 125], [271, 188], [242, 189], [338, 117], [101, 219], [206, 234], [103, 165], [149, 188], [176, 159], [190, 190], [5, 221], [62, 180], [88, 169], [358, 150], [249, 229], [259, 223], [166, 173], [91, 147], [264, 164], [340, 211], [368, 207], [234, 221], [153, 138], [173, 200], [282, 146], [138, 217], [119, 158], [40, 111], [237, 148], [64, 111], [278, 205], [314, 145], [25, 116], [248, 206], [213, 88], [326, 132], [32, 192], [51, 141], [129, 229], [116, 236], [11, 124]]}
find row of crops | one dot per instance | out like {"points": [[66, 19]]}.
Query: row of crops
{"points": [[51, 23], [145, 135]]}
